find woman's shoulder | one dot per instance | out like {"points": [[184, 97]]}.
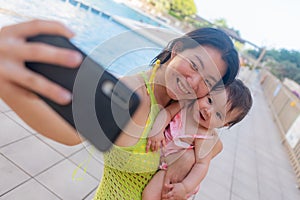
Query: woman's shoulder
{"points": [[135, 83], [130, 80], [133, 131]]}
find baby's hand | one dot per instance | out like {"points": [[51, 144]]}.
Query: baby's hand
{"points": [[155, 142], [177, 192]]}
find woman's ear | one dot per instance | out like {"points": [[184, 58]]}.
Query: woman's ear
{"points": [[176, 48]]}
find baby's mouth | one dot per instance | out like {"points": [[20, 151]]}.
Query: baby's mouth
{"points": [[202, 116]]}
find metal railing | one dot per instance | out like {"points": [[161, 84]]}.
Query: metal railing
{"points": [[286, 110]]}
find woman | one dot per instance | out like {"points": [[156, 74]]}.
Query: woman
{"points": [[190, 66]]}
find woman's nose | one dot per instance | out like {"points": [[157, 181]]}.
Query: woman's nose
{"points": [[196, 82]]}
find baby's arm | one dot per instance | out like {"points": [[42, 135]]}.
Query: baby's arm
{"points": [[205, 151], [182, 189], [156, 135], [199, 170], [153, 189]]}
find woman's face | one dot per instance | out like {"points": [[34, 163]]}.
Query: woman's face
{"points": [[190, 74]]}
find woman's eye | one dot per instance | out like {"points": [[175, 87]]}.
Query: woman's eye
{"points": [[194, 66], [208, 83]]}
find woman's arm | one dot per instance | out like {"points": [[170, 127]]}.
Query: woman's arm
{"points": [[156, 136], [38, 115], [164, 117]]}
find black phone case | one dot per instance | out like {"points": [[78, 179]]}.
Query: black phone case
{"points": [[101, 105]]}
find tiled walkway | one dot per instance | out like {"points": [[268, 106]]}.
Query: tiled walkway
{"points": [[252, 166]]}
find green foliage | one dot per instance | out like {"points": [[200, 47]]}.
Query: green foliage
{"points": [[221, 23], [283, 63], [162, 5], [274, 54], [177, 8], [197, 23], [239, 46], [286, 69], [284, 55], [253, 53], [175, 14], [183, 8]]}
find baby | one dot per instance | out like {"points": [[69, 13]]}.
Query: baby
{"points": [[193, 126]]}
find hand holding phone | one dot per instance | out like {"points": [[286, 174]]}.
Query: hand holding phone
{"points": [[101, 105]]}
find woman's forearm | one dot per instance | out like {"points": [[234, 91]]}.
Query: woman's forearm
{"points": [[39, 115]]}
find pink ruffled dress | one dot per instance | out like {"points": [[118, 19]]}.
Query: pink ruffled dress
{"points": [[174, 134]]}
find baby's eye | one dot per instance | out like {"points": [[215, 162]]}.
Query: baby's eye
{"points": [[210, 100], [219, 115]]}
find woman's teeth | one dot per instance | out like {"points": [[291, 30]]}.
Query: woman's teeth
{"points": [[182, 88]]}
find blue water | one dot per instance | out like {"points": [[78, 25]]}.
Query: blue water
{"points": [[114, 8], [92, 30]]}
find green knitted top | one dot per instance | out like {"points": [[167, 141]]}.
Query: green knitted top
{"points": [[127, 170]]}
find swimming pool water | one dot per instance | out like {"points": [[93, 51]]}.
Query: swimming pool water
{"points": [[120, 9], [91, 29]]}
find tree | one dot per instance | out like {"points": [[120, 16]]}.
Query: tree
{"points": [[282, 63], [221, 23], [283, 54], [161, 5], [253, 53], [183, 8], [239, 46], [177, 8], [285, 69]]}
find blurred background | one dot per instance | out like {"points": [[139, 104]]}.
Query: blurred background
{"points": [[261, 155]]}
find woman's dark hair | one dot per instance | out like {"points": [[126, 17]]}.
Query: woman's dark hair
{"points": [[212, 37]]}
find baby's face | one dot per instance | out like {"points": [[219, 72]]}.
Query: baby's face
{"points": [[211, 111]]}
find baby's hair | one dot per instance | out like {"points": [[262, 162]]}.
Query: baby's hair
{"points": [[238, 98]]}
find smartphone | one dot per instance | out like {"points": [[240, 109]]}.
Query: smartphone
{"points": [[101, 105]]}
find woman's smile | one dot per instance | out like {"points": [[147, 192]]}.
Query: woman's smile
{"points": [[181, 87]]}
